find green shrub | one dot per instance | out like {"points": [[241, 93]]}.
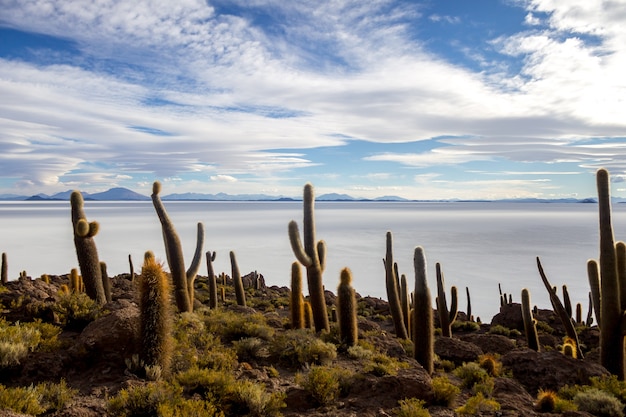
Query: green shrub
{"points": [[250, 348], [444, 392], [381, 365], [359, 352], [467, 326], [411, 407], [478, 404], [445, 364], [253, 399], [471, 374], [55, 396], [299, 347], [611, 385], [76, 310], [231, 326], [16, 340], [21, 400], [325, 384], [504, 331], [143, 400], [599, 403], [193, 407]]}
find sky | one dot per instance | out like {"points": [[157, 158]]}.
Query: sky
{"points": [[433, 99]]}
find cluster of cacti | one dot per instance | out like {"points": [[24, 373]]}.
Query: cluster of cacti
{"points": [[446, 316], [210, 258], [183, 280], [313, 256], [423, 332], [296, 301], [392, 285], [155, 315], [608, 286], [86, 250], [240, 293], [346, 310], [559, 309], [530, 324], [4, 270], [504, 299]]}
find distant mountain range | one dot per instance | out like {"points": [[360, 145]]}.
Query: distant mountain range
{"points": [[124, 194]]}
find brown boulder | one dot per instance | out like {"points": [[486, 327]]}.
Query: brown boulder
{"points": [[491, 343], [510, 316], [549, 370], [457, 351]]}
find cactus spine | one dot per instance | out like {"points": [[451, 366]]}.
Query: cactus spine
{"points": [[155, 314], [182, 279], [346, 309], [391, 280], [313, 256], [296, 302], [210, 258], [611, 334], [530, 324], [5, 269], [240, 293], [446, 317], [423, 327], [86, 250]]}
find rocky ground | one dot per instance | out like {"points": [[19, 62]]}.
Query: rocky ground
{"points": [[93, 356]]}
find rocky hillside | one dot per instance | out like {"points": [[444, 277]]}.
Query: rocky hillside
{"points": [[60, 355]]}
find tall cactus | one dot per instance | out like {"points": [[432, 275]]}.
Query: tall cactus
{"points": [[611, 334], [183, 280], [423, 326], [446, 317], [593, 273], [296, 302], [155, 315], [469, 305], [313, 256], [405, 301], [210, 258], [346, 309], [391, 280], [5, 269], [530, 326], [240, 293], [86, 250], [106, 281]]}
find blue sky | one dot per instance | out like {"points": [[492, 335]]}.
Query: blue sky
{"points": [[420, 99]]}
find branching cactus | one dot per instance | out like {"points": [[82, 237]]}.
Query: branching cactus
{"points": [[559, 309], [313, 256], [240, 293], [393, 298], [296, 301], [423, 326], [86, 250], [346, 309], [210, 258], [446, 317], [611, 312], [530, 324], [155, 315], [183, 280]]}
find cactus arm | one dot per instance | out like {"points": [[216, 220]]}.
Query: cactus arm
{"points": [[589, 320], [469, 304], [593, 273], [620, 254], [566, 319], [454, 305], [392, 290], [423, 328], [5, 269], [530, 327], [404, 301], [296, 245], [321, 254], [566, 301], [192, 272], [173, 252]]}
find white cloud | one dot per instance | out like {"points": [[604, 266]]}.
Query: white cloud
{"points": [[223, 178]]}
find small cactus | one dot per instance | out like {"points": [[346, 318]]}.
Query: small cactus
{"points": [[530, 324], [240, 293], [446, 317], [308, 315], [210, 258], [296, 302], [346, 309], [5, 269], [155, 315], [75, 281], [106, 281]]}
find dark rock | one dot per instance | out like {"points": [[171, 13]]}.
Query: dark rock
{"points": [[549, 370], [491, 343], [457, 351], [510, 316]]}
